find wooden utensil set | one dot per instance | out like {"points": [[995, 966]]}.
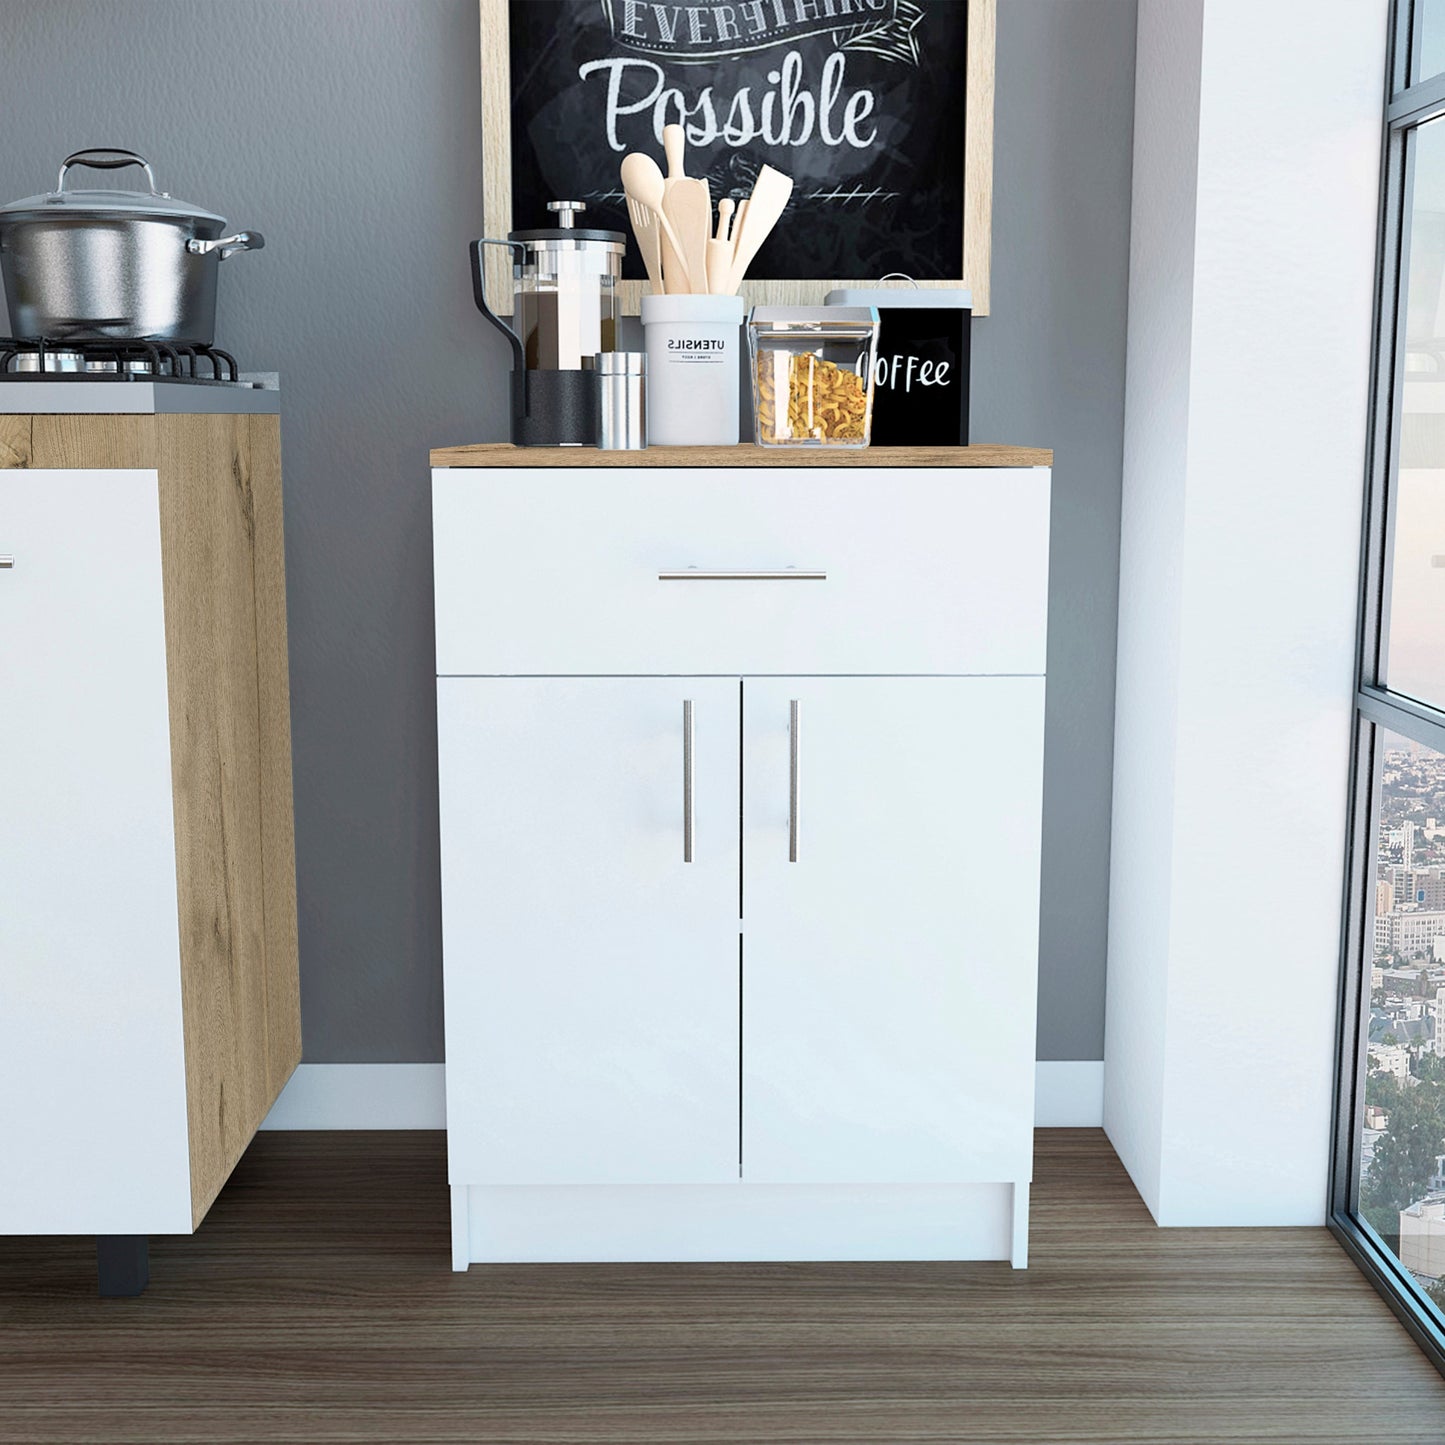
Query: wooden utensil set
{"points": [[672, 221]]}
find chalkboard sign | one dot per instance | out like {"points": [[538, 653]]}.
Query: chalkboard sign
{"points": [[880, 111]]}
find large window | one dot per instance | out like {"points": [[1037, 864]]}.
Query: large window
{"points": [[1388, 1203], [1401, 1177]]}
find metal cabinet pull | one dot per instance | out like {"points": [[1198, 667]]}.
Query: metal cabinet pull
{"points": [[773, 574], [7, 561], [795, 733], [687, 825]]}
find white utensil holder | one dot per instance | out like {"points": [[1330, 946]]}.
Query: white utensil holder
{"points": [[694, 357]]}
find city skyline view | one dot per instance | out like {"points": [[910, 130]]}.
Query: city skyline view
{"points": [[1402, 1144]]}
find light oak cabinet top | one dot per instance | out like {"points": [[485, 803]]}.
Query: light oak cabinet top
{"points": [[984, 454]]}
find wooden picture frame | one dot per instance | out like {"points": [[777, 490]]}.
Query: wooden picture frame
{"points": [[976, 184]]}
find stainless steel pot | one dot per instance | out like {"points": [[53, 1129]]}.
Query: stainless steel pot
{"points": [[90, 265]]}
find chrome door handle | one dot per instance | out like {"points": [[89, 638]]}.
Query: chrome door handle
{"points": [[765, 574], [795, 734], [687, 822], [7, 561]]}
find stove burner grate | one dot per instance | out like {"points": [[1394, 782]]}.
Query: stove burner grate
{"points": [[115, 361]]}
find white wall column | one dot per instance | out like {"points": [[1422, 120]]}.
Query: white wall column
{"points": [[1255, 196]]}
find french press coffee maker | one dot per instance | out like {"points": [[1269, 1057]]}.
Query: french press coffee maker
{"points": [[565, 310]]}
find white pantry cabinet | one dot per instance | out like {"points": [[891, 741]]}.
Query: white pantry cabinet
{"points": [[149, 1007], [740, 922]]}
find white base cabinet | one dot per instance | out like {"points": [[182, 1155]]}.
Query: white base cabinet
{"points": [[737, 965]]}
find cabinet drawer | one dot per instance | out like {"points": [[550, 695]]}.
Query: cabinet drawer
{"points": [[557, 571]]}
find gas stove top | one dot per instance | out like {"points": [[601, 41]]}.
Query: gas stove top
{"points": [[127, 376], [120, 361]]}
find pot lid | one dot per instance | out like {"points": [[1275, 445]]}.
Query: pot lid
{"points": [[77, 202]]}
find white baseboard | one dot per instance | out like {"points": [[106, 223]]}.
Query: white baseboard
{"points": [[362, 1096], [1068, 1095], [737, 1221]]}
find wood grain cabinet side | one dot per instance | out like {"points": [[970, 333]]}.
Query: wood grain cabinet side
{"points": [[149, 1005]]}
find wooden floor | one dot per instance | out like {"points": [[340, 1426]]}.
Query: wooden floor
{"points": [[316, 1304]]}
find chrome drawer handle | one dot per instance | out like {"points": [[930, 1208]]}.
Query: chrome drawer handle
{"points": [[687, 825], [776, 574], [7, 561], [795, 798]]}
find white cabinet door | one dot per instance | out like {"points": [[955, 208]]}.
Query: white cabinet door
{"points": [[92, 1071], [890, 971], [591, 970]]}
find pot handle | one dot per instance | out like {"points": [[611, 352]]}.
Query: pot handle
{"points": [[106, 158], [228, 245]]}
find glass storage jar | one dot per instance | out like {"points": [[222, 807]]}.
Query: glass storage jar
{"points": [[812, 372]]}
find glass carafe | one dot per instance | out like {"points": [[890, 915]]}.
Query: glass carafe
{"points": [[565, 309]]}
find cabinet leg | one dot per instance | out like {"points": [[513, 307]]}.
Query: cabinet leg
{"points": [[1020, 1253], [123, 1263], [461, 1227]]}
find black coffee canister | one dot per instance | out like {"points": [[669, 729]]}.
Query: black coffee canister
{"points": [[920, 376]]}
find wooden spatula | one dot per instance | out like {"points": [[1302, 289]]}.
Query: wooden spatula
{"points": [[649, 240], [757, 218], [688, 206]]}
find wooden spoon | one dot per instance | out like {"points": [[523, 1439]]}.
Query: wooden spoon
{"points": [[737, 231], [642, 180], [720, 250], [689, 207]]}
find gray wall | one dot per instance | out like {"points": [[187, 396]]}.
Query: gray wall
{"points": [[346, 131], [1048, 370]]}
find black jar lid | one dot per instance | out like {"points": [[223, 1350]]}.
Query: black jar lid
{"points": [[566, 212], [557, 233]]}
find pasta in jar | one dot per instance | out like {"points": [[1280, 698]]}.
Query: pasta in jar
{"points": [[802, 396], [812, 374]]}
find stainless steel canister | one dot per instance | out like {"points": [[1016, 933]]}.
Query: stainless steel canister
{"points": [[622, 384]]}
